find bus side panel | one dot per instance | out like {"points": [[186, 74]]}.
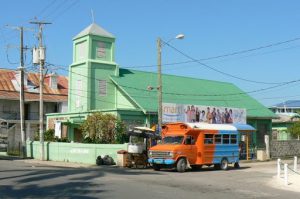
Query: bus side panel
{"points": [[229, 151], [207, 150]]}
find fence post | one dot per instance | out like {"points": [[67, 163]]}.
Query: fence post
{"points": [[278, 167], [286, 174], [295, 163]]}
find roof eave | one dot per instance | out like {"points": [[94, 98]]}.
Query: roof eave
{"points": [[144, 111]]}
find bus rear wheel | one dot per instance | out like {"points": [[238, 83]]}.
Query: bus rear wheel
{"points": [[224, 164], [181, 165]]}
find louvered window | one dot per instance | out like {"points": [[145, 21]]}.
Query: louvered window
{"points": [[78, 93], [81, 51], [101, 50], [102, 87]]}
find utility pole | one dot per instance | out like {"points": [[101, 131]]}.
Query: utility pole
{"points": [[21, 68], [159, 82], [22, 98], [41, 57], [160, 44]]}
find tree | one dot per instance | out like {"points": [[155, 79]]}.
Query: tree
{"points": [[101, 128], [49, 135], [121, 136], [295, 129]]}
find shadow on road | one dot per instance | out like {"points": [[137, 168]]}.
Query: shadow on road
{"points": [[208, 169], [36, 181]]}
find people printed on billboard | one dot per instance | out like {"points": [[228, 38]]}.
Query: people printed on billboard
{"points": [[209, 114]]}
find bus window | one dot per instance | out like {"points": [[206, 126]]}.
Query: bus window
{"points": [[218, 139], [233, 139], [225, 139], [208, 139], [189, 140]]}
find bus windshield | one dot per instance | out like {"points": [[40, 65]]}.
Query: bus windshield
{"points": [[173, 140]]}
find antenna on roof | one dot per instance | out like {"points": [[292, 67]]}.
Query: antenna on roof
{"points": [[93, 19]]}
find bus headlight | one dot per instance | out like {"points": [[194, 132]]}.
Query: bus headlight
{"points": [[171, 153], [150, 153]]}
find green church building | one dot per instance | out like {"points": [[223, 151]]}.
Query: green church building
{"points": [[96, 83]]}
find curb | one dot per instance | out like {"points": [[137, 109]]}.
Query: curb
{"points": [[57, 164]]}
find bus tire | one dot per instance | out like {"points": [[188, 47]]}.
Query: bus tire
{"points": [[156, 167], [236, 165], [224, 164], [181, 165]]}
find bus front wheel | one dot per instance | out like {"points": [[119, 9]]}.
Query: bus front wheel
{"points": [[224, 164], [156, 167], [181, 165]]}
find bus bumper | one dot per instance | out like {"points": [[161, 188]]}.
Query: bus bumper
{"points": [[161, 161]]}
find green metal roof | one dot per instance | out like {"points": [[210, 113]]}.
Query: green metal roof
{"points": [[186, 90]]}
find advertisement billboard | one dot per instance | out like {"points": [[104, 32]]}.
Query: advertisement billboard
{"points": [[199, 113]]}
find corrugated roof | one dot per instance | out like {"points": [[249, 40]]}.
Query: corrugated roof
{"points": [[288, 104], [11, 92], [94, 29], [185, 90]]}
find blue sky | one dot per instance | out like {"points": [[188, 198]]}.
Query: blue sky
{"points": [[211, 28]]}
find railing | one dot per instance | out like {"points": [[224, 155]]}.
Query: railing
{"points": [[286, 169]]}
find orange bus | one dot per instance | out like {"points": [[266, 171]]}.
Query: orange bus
{"points": [[191, 145]]}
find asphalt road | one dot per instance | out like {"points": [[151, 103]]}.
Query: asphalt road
{"points": [[19, 179]]}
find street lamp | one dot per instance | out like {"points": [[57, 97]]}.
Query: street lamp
{"points": [[159, 87]]}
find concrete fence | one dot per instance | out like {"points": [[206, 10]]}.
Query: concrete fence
{"points": [[73, 152], [285, 148]]}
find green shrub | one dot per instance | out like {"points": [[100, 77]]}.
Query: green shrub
{"points": [[102, 128]]}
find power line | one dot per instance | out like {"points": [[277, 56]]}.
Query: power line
{"points": [[140, 96], [242, 57], [7, 57], [46, 7], [219, 71], [65, 10], [56, 9], [189, 94], [222, 56]]}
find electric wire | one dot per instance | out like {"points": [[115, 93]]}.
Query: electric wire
{"points": [[56, 9], [43, 11], [94, 98], [65, 10], [7, 58], [221, 56], [192, 94], [219, 71]]}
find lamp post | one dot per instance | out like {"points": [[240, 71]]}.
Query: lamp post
{"points": [[159, 79]]}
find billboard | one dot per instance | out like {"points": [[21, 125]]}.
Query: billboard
{"points": [[198, 113]]}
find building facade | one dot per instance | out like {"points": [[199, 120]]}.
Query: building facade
{"points": [[55, 101], [98, 84], [287, 113]]}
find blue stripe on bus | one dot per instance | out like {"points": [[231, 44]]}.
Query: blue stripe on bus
{"points": [[229, 151]]}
